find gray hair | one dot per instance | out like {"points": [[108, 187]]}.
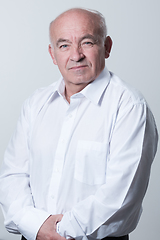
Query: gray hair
{"points": [[101, 20]]}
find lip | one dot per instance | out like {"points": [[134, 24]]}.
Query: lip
{"points": [[78, 67]]}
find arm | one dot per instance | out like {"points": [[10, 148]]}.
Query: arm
{"points": [[115, 207], [16, 200]]}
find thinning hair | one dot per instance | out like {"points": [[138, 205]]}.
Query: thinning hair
{"points": [[101, 23]]}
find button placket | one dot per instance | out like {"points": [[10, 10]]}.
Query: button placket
{"points": [[62, 147]]}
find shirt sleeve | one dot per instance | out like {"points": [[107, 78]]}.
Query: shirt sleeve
{"points": [[16, 200], [115, 208]]}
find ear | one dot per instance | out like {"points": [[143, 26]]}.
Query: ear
{"points": [[51, 52], [108, 46]]}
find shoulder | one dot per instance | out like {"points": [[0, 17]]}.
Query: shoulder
{"points": [[125, 92], [35, 102], [42, 95]]}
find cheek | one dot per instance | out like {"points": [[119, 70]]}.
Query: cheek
{"points": [[96, 60], [61, 61], [91, 58], [61, 58], [101, 58]]}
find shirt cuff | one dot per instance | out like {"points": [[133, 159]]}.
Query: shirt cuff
{"points": [[31, 222], [69, 228]]}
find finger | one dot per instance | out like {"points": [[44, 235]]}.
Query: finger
{"points": [[58, 218]]}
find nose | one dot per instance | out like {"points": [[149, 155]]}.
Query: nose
{"points": [[76, 54]]}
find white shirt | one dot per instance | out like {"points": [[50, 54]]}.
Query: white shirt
{"points": [[89, 160]]}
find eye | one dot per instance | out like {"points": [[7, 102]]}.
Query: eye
{"points": [[64, 46], [88, 44]]}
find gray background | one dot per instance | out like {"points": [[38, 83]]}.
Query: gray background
{"points": [[25, 65]]}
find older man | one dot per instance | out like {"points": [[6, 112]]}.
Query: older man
{"points": [[78, 164]]}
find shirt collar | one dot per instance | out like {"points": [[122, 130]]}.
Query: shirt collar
{"points": [[58, 88], [92, 91]]}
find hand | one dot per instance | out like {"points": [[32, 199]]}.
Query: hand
{"points": [[48, 229]]}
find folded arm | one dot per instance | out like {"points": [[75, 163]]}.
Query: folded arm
{"points": [[115, 208]]}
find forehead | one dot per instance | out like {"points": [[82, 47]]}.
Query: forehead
{"points": [[74, 25]]}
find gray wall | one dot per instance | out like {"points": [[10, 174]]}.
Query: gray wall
{"points": [[25, 65]]}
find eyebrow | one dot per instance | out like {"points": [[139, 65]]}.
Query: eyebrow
{"points": [[87, 36], [62, 40]]}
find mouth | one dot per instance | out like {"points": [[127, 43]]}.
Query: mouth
{"points": [[78, 67]]}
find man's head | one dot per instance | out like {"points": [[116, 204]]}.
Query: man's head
{"points": [[79, 46]]}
